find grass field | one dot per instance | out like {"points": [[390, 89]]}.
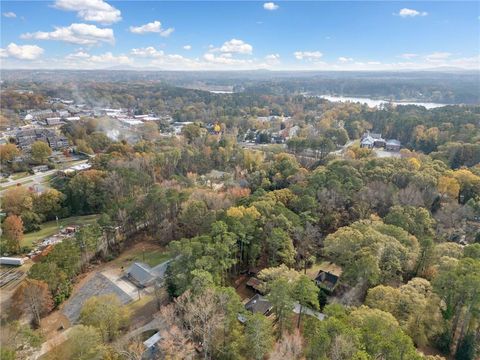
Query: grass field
{"points": [[20, 175], [25, 183], [149, 254], [50, 228], [148, 257]]}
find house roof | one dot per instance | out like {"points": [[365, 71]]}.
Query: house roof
{"points": [[368, 140], [151, 341], [140, 273], [258, 304], [393, 142], [327, 279]]}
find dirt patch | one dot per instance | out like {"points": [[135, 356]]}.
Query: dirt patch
{"points": [[240, 285]]}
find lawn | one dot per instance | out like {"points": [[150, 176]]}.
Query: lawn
{"points": [[149, 254], [24, 183], [20, 175], [50, 228], [149, 257]]}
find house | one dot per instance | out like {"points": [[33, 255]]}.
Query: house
{"points": [[327, 280], [25, 138], [139, 274], [370, 140], [142, 275], [53, 121], [393, 145], [152, 341], [39, 168], [259, 304]]}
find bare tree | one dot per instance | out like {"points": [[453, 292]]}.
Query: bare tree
{"points": [[175, 344], [33, 297], [202, 317], [290, 347]]}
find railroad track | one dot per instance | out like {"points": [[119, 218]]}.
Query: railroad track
{"points": [[10, 277]]}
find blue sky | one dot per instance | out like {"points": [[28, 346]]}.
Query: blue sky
{"points": [[181, 35]]}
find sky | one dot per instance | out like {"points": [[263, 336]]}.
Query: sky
{"points": [[240, 35]]}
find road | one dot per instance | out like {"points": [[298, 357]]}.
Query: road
{"points": [[35, 180]]}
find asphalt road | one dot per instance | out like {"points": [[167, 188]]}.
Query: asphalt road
{"points": [[34, 180]]}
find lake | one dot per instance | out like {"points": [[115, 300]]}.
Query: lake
{"points": [[377, 103]]}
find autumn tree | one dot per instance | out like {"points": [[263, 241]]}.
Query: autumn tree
{"points": [[33, 298], [40, 151], [106, 314], [8, 152], [372, 252], [13, 232], [414, 305], [83, 343]]}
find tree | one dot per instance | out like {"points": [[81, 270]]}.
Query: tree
{"points": [[458, 284], [259, 337], [415, 220], [466, 350], [306, 293], [175, 344], [372, 252], [202, 317], [381, 335], [280, 296], [40, 151], [83, 343], [290, 347], [414, 305], [56, 279], [8, 152], [32, 297], [48, 204], [149, 131], [106, 314], [448, 187], [13, 232], [280, 248], [85, 192], [195, 218], [17, 200]]}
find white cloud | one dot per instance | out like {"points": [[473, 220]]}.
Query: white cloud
{"points": [[153, 27], [411, 13], [437, 56], [272, 59], [81, 59], [344, 59], [109, 58], [225, 59], [81, 34], [149, 52], [9, 14], [235, 46], [187, 47], [91, 10], [21, 52], [307, 55], [270, 6], [408, 56], [78, 55]]}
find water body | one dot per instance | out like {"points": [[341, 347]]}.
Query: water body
{"points": [[378, 103]]}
